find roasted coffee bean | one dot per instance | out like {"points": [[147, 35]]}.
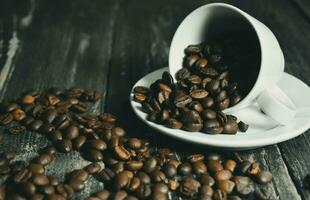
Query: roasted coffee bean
{"points": [[254, 169], [80, 107], [208, 114], [18, 114], [36, 168], [219, 195], [213, 85], [149, 164], [243, 127], [77, 185], [160, 188], [118, 131], [139, 97], [191, 60], [214, 166], [214, 156], [185, 169], [134, 143], [141, 90], [35, 125], [170, 170], [244, 166], [199, 168], [103, 194], [50, 115], [40, 179], [134, 165], [122, 153], [44, 159], [222, 105], [56, 135], [133, 185], [195, 158], [192, 49], [93, 168], [264, 177], [231, 127], [6, 118], [144, 177], [118, 167], [230, 165], [54, 181], [221, 117], [17, 129], [72, 132], [147, 108], [212, 126], [173, 123], [233, 197], [47, 189], [143, 191], [55, 197], [11, 107], [106, 174], [192, 121], [28, 99], [47, 128], [206, 179], [27, 121], [189, 187], [207, 102], [235, 99], [222, 175], [93, 155], [244, 185], [205, 191], [64, 145], [78, 142], [182, 74], [173, 185], [97, 144], [232, 88], [226, 185], [194, 79], [163, 116], [17, 166], [182, 100], [65, 190], [199, 94], [22, 176], [122, 179], [79, 174], [158, 176], [27, 189]]}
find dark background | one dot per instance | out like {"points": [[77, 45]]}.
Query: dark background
{"points": [[109, 44]]}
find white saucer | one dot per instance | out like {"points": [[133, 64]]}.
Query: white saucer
{"points": [[262, 129]]}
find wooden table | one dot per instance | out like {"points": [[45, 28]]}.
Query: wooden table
{"points": [[109, 44]]}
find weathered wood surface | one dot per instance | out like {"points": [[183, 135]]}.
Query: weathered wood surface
{"points": [[108, 45]]}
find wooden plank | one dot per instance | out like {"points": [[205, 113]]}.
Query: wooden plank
{"points": [[68, 43]]}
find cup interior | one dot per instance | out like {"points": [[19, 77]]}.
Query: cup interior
{"points": [[221, 22]]}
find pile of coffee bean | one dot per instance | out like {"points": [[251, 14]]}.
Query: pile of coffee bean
{"points": [[195, 102], [126, 165]]}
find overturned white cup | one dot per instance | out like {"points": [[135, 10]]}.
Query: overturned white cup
{"points": [[217, 18]]}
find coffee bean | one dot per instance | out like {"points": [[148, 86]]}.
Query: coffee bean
{"points": [[231, 127], [195, 158], [244, 166], [27, 189], [158, 176], [173, 185], [149, 164], [55, 197], [5, 169], [47, 189], [170, 170], [264, 177], [192, 121], [226, 186], [22, 176], [199, 168], [205, 191], [182, 100], [103, 194], [77, 185], [189, 187], [78, 142], [143, 191], [17, 129], [65, 190], [50, 115], [122, 153], [122, 179], [222, 105], [93, 155], [182, 74], [133, 185], [212, 126], [35, 125], [18, 114], [223, 175], [208, 114], [219, 195], [214, 166], [134, 165], [79, 174], [36, 168], [185, 169], [72, 132], [192, 49], [97, 144], [54, 181], [235, 99], [207, 102], [11, 107], [106, 174], [233, 197], [40, 179], [244, 185], [254, 169], [45, 159], [93, 168], [64, 145], [243, 127], [199, 94], [206, 179], [173, 123], [230, 165]]}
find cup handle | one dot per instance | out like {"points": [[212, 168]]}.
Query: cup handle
{"points": [[277, 105]]}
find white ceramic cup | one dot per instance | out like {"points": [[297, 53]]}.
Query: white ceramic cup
{"points": [[217, 18]]}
